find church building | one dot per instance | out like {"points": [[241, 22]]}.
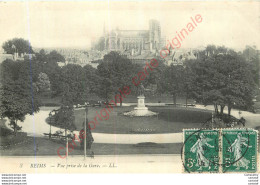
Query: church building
{"points": [[135, 41]]}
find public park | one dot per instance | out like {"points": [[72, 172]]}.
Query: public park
{"points": [[45, 108]]}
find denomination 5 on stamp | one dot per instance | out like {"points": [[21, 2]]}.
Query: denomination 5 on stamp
{"points": [[239, 150], [201, 151]]}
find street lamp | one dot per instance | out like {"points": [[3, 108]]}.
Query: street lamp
{"points": [[50, 115], [50, 121], [85, 131]]}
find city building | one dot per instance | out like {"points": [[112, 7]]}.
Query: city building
{"points": [[134, 41], [178, 57], [4, 57]]}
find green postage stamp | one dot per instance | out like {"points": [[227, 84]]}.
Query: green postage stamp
{"points": [[239, 150], [220, 150], [201, 151]]}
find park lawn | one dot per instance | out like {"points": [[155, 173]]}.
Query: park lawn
{"points": [[46, 147], [165, 98], [7, 137], [12, 139], [169, 120]]}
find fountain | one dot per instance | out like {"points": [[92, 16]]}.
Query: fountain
{"points": [[140, 110]]}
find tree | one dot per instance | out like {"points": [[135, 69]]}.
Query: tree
{"points": [[41, 56], [188, 79], [65, 118], [173, 81], [47, 63], [155, 75], [250, 54], [92, 80], [74, 84], [210, 50], [54, 56], [240, 84], [223, 79], [43, 83], [206, 82], [18, 95], [115, 71], [18, 45]]}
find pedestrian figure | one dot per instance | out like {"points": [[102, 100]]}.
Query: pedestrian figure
{"points": [[81, 137], [92, 155], [243, 121], [89, 138]]}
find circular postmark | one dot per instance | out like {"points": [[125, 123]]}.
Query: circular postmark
{"points": [[235, 149], [201, 150]]}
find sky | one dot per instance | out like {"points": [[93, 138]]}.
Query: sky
{"points": [[76, 24]]}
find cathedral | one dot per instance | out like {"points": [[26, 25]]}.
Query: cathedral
{"points": [[134, 41]]}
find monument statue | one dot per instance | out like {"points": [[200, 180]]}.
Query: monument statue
{"points": [[140, 109], [141, 90]]}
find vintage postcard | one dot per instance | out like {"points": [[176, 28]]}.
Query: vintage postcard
{"points": [[129, 87]]}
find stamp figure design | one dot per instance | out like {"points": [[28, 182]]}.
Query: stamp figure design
{"points": [[198, 148], [239, 150], [201, 151]]}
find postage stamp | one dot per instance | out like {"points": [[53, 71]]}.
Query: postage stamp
{"points": [[239, 150], [201, 151]]}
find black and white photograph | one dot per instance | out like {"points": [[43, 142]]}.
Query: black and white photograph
{"points": [[111, 87]]}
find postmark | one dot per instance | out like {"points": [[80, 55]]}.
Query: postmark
{"points": [[220, 151], [239, 150], [201, 151]]}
